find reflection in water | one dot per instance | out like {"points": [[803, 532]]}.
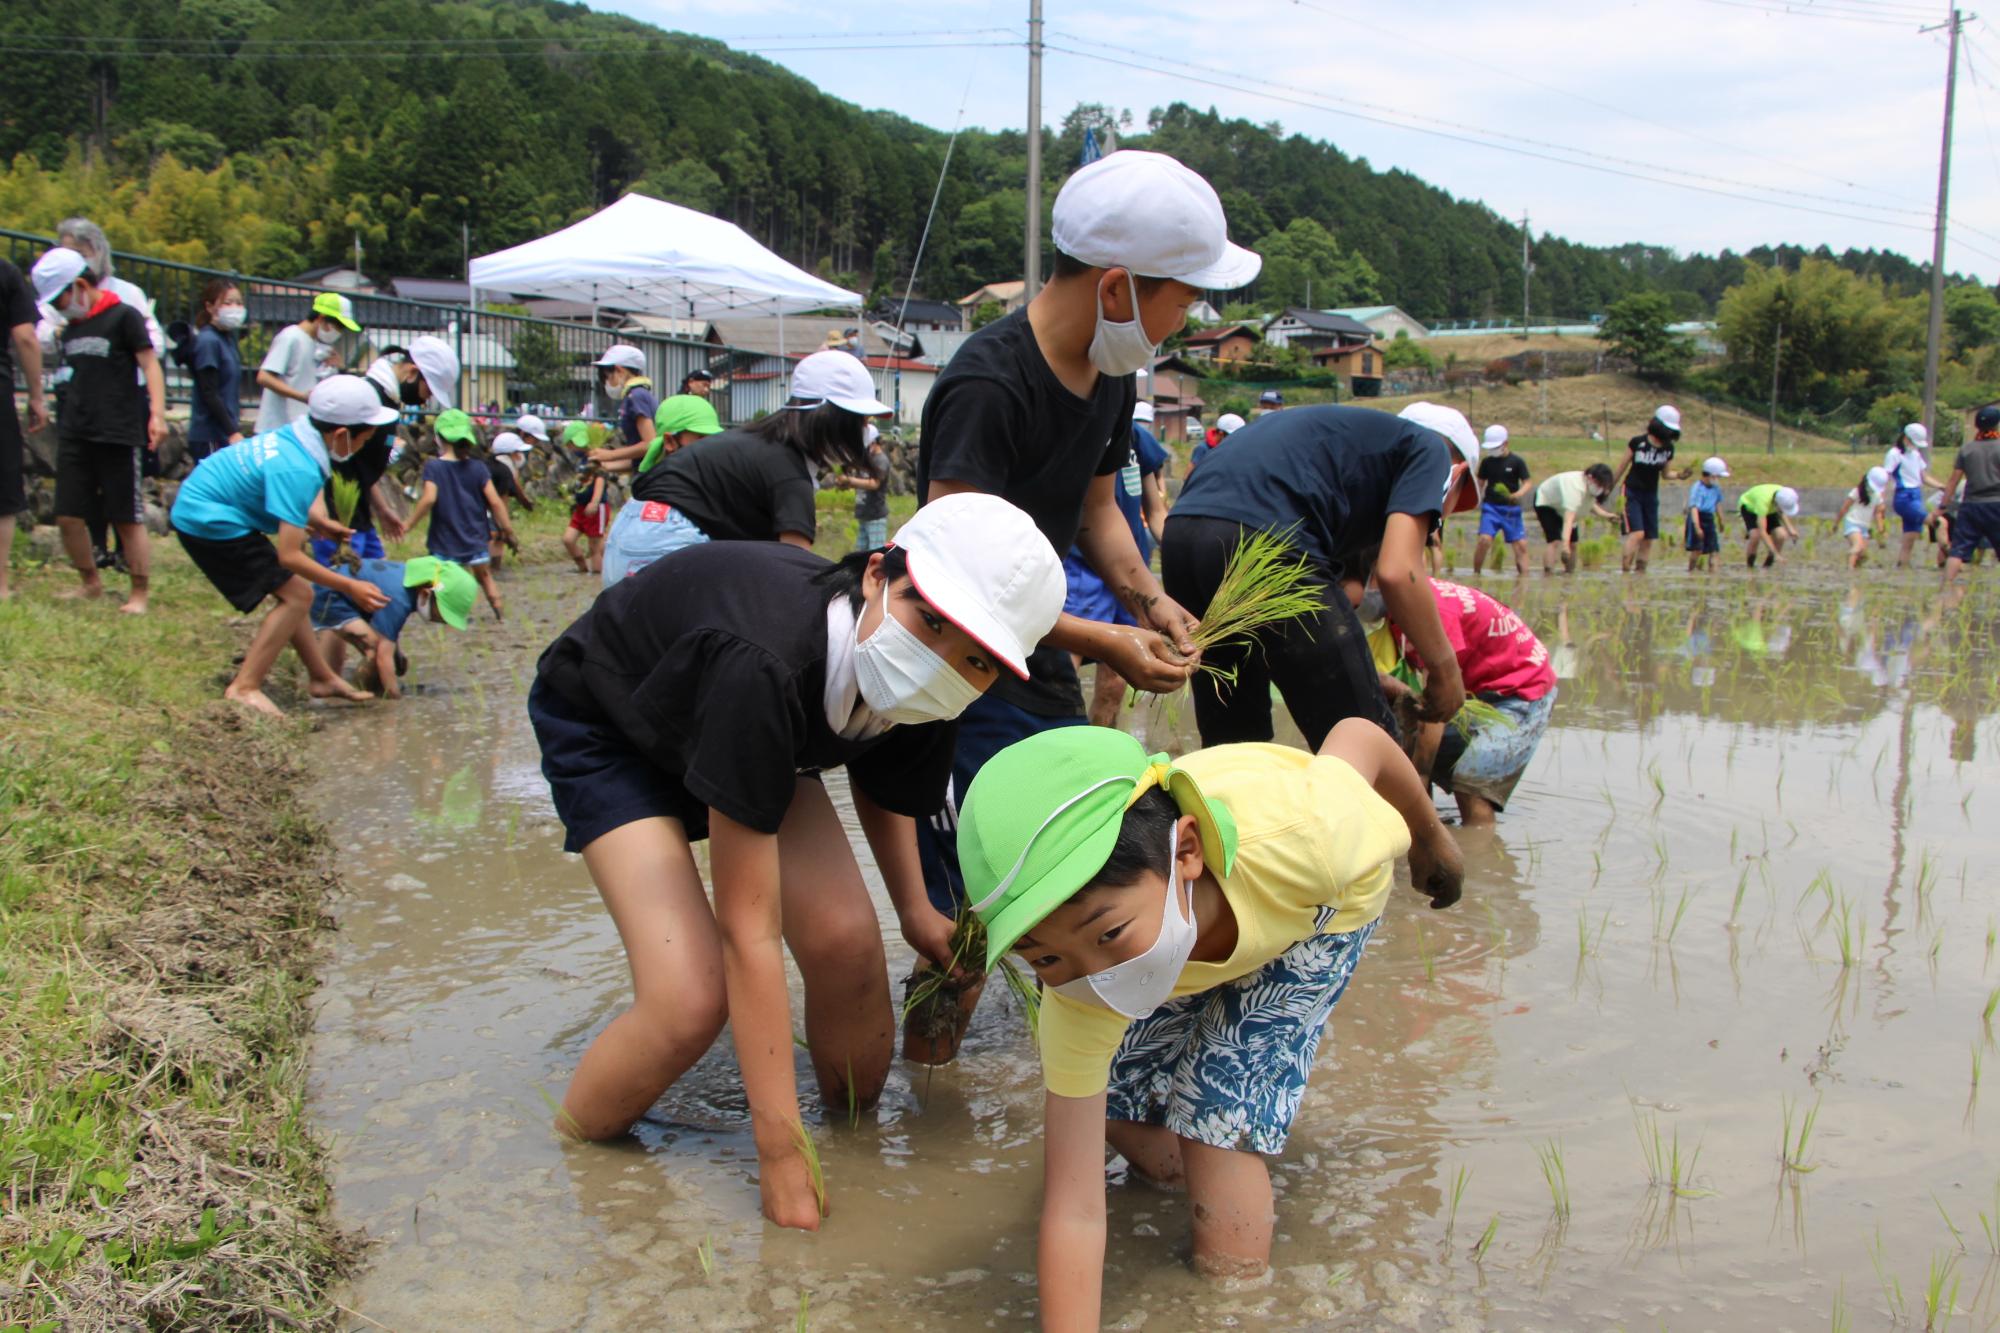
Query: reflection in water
{"points": [[1739, 771]]}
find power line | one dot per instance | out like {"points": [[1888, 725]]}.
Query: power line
{"points": [[1781, 9]]}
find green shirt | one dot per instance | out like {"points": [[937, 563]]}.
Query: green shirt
{"points": [[1761, 500]]}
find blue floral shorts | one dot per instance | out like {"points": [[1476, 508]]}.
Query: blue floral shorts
{"points": [[1228, 1066]]}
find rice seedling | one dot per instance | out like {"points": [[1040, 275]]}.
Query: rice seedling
{"points": [[1264, 583], [1989, 1223], [1840, 1321], [805, 1300], [1851, 931], [1463, 1177], [1736, 903], [1341, 1275], [1556, 1173], [802, 1139], [1668, 1167], [1992, 1004], [1426, 954], [705, 1254], [1949, 1225], [1892, 1286], [1794, 1148], [1485, 1241], [1975, 1067], [1940, 1291]]}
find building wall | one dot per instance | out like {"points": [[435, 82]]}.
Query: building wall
{"points": [[1387, 325]]}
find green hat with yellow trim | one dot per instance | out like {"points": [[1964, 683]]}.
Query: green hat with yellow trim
{"points": [[1040, 820], [451, 583]]}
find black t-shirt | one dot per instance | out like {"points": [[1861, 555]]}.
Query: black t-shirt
{"points": [[1000, 421], [712, 663], [1509, 470], [103, 402], [17, 307], [736, 486], [504, 480], [1332, 475], [364, 470], [1649, 459]]}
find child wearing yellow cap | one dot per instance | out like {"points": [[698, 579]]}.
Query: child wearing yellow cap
{"points": [[1192, 923]]}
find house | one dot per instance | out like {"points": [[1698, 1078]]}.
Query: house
{"points": [[1386, 320], [1316, 329], [337, 278], [1009, 296], [1361, 363], [917, 315], [797, 336], [437, 291], [1225, 342], [1176, 391], [1201, 312], [669, 326]]}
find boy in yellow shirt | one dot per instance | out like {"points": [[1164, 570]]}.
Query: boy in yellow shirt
{"points": [[1192, 924]]}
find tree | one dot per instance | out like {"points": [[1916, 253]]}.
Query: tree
{"points": [[986, 312], [1838, 337], [1636, 329], [688, 183], [1973, 316], [1404, 353], [1304, 265]]}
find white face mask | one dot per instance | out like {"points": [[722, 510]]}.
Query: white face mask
{"points": [[1138, 986], [903, 680], [229, 318], [1120, 349], [329, 335]]}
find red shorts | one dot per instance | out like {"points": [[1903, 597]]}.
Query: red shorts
{"points": [[590, 521]]}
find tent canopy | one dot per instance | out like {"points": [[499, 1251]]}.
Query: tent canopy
{"points": [[646, 254]]}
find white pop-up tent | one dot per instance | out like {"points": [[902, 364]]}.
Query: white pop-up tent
{"points": [[647, 255]]}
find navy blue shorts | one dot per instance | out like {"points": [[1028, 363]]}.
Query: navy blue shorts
{"points": [[1704, 537], [1642, 512], [1502, 521], [598, 781], [1976, 525]]}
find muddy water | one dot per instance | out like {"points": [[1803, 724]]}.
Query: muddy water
{"points": [[1651, 941]]}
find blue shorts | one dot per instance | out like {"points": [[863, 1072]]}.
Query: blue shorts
{"points": [[1909, 507], [871, 534], [1487, 758], [1976, 525], [1501, 520], [1703, 537], [1642, 512], [1089, 598], [365, 543], [597, 780], [1228, 1066], [643, 532]]}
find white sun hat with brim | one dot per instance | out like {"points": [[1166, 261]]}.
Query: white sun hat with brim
{"points": [[1495, 437], [530, 424], [1149, 213], [1788, 501], [985, 567], [507, 442], [1669, 416], [837, 378], [348, 400], [1917, 435], [623, 355], [55, 271], [1142, 412], [1457, 432], [1714, 467], [438, 364], [1229, 423]]}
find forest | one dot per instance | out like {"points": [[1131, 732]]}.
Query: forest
{"points": [[263, 136]]}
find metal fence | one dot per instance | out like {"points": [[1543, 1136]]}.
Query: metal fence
{"points": [[507, 361]]}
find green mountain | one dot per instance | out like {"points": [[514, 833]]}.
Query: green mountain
{"points": [[271, 135]]}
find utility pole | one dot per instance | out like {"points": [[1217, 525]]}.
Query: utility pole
{"points": [[1936, 333], [1527, 267], [1031, 259], [1777, 350]]}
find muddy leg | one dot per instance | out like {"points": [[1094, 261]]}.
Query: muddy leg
{"points": [[1107, 697], [1233, 1214], [1154, 1151]]}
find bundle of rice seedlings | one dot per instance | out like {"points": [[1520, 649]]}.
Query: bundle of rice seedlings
{"points": [[1265, 583], [932, 1013], [346, 493]]}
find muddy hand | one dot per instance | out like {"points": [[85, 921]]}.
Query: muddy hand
{"points": [[1146, 659], [1443, 696], [784, 1184], [1437, 869], [929, 932]]}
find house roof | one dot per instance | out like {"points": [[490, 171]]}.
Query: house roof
{"points": [[995, 291], [667, 326], [919, 310], [803, 334], [1368, 312], [1219, 334], [1175, 363], [444, 291], [341, 277], [1330, 321]]}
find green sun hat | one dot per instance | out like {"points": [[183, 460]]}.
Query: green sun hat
{"points": [[687, 411], [450, 583], [1040, 819], [338, 306], [576, 435], [454, 425]]}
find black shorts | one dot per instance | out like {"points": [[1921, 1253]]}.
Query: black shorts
{"points": [[13, 483], [1703, 535], [1552, 524], [1771, 522], [1977, 525], [1642, 513], [597, 780], [243, 569], [99, 481]]}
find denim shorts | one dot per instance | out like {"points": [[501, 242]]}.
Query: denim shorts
{"points": [[643, 532], [1487, 758], [366, 544], [1228, 1066], [871, 534], [1502, 520]]}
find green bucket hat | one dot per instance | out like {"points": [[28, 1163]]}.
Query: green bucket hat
{"points": [[456, 426], [450, 583], [577, 435], [687, 411], [1040, 820]]}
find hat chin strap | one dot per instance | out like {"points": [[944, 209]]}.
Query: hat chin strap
{"points": [[1007, 880]]}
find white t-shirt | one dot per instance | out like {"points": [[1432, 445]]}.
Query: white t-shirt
{"points": [[293, 359], [1565, 492], [1906, 466]]}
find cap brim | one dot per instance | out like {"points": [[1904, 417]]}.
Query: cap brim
{"points": [[964, 610], [867, 407], [1236, 268], [343, 320], [381, 415], [1006, 926]]}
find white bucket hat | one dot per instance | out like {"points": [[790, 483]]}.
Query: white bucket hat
{"points": [[624, 355], [987, 569], [348, 400], [838, 378], [1229, 423], [1143, 413], [1788, 501], [507, 442], [55, 271]]}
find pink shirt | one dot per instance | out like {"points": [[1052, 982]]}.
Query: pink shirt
{"points": [[1497, 653]]}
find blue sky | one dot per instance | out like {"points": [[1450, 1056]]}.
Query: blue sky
{"points": [[1830, 106]]}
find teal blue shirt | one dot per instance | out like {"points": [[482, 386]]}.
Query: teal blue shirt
{"points": [[255, 485]]}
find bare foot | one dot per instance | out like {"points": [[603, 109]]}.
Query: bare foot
{"points": [[135, 605], [254, 700], [83, 592], [337, 688]]}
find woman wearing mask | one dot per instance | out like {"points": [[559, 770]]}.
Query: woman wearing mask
{"points": [[215, 419], [703, 699], [754, 483], [625, 380]]}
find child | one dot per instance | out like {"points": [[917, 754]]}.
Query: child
{"points": [[1504, 473], [589, 512], [1644, 465], [1909, 467], [1860, 514], [503, 467], [1559, 504], [1704, 530], [1977, 522], [437, 589], [701, 699], [871, 494], [461, 490], [291, 365], [1477, 760], [270, 483], [1767, 516], [1192, 925], [105, 421]]}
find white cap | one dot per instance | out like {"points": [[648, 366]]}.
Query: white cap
{"points": [[1669, 416], [56, 270], [623, 354], [1914, 432], [1457, 431], [507, 442], [1495, 437], [1143, 412], [1788, 501], [348, 400], [1714, 467], [987, 569], [1229, 423], [838, 378], [438, 364], [1878, 479], [530, 424], [1148, 213]]}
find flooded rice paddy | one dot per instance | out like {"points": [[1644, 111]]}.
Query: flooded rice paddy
{"points": [[1700, 1049]]}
